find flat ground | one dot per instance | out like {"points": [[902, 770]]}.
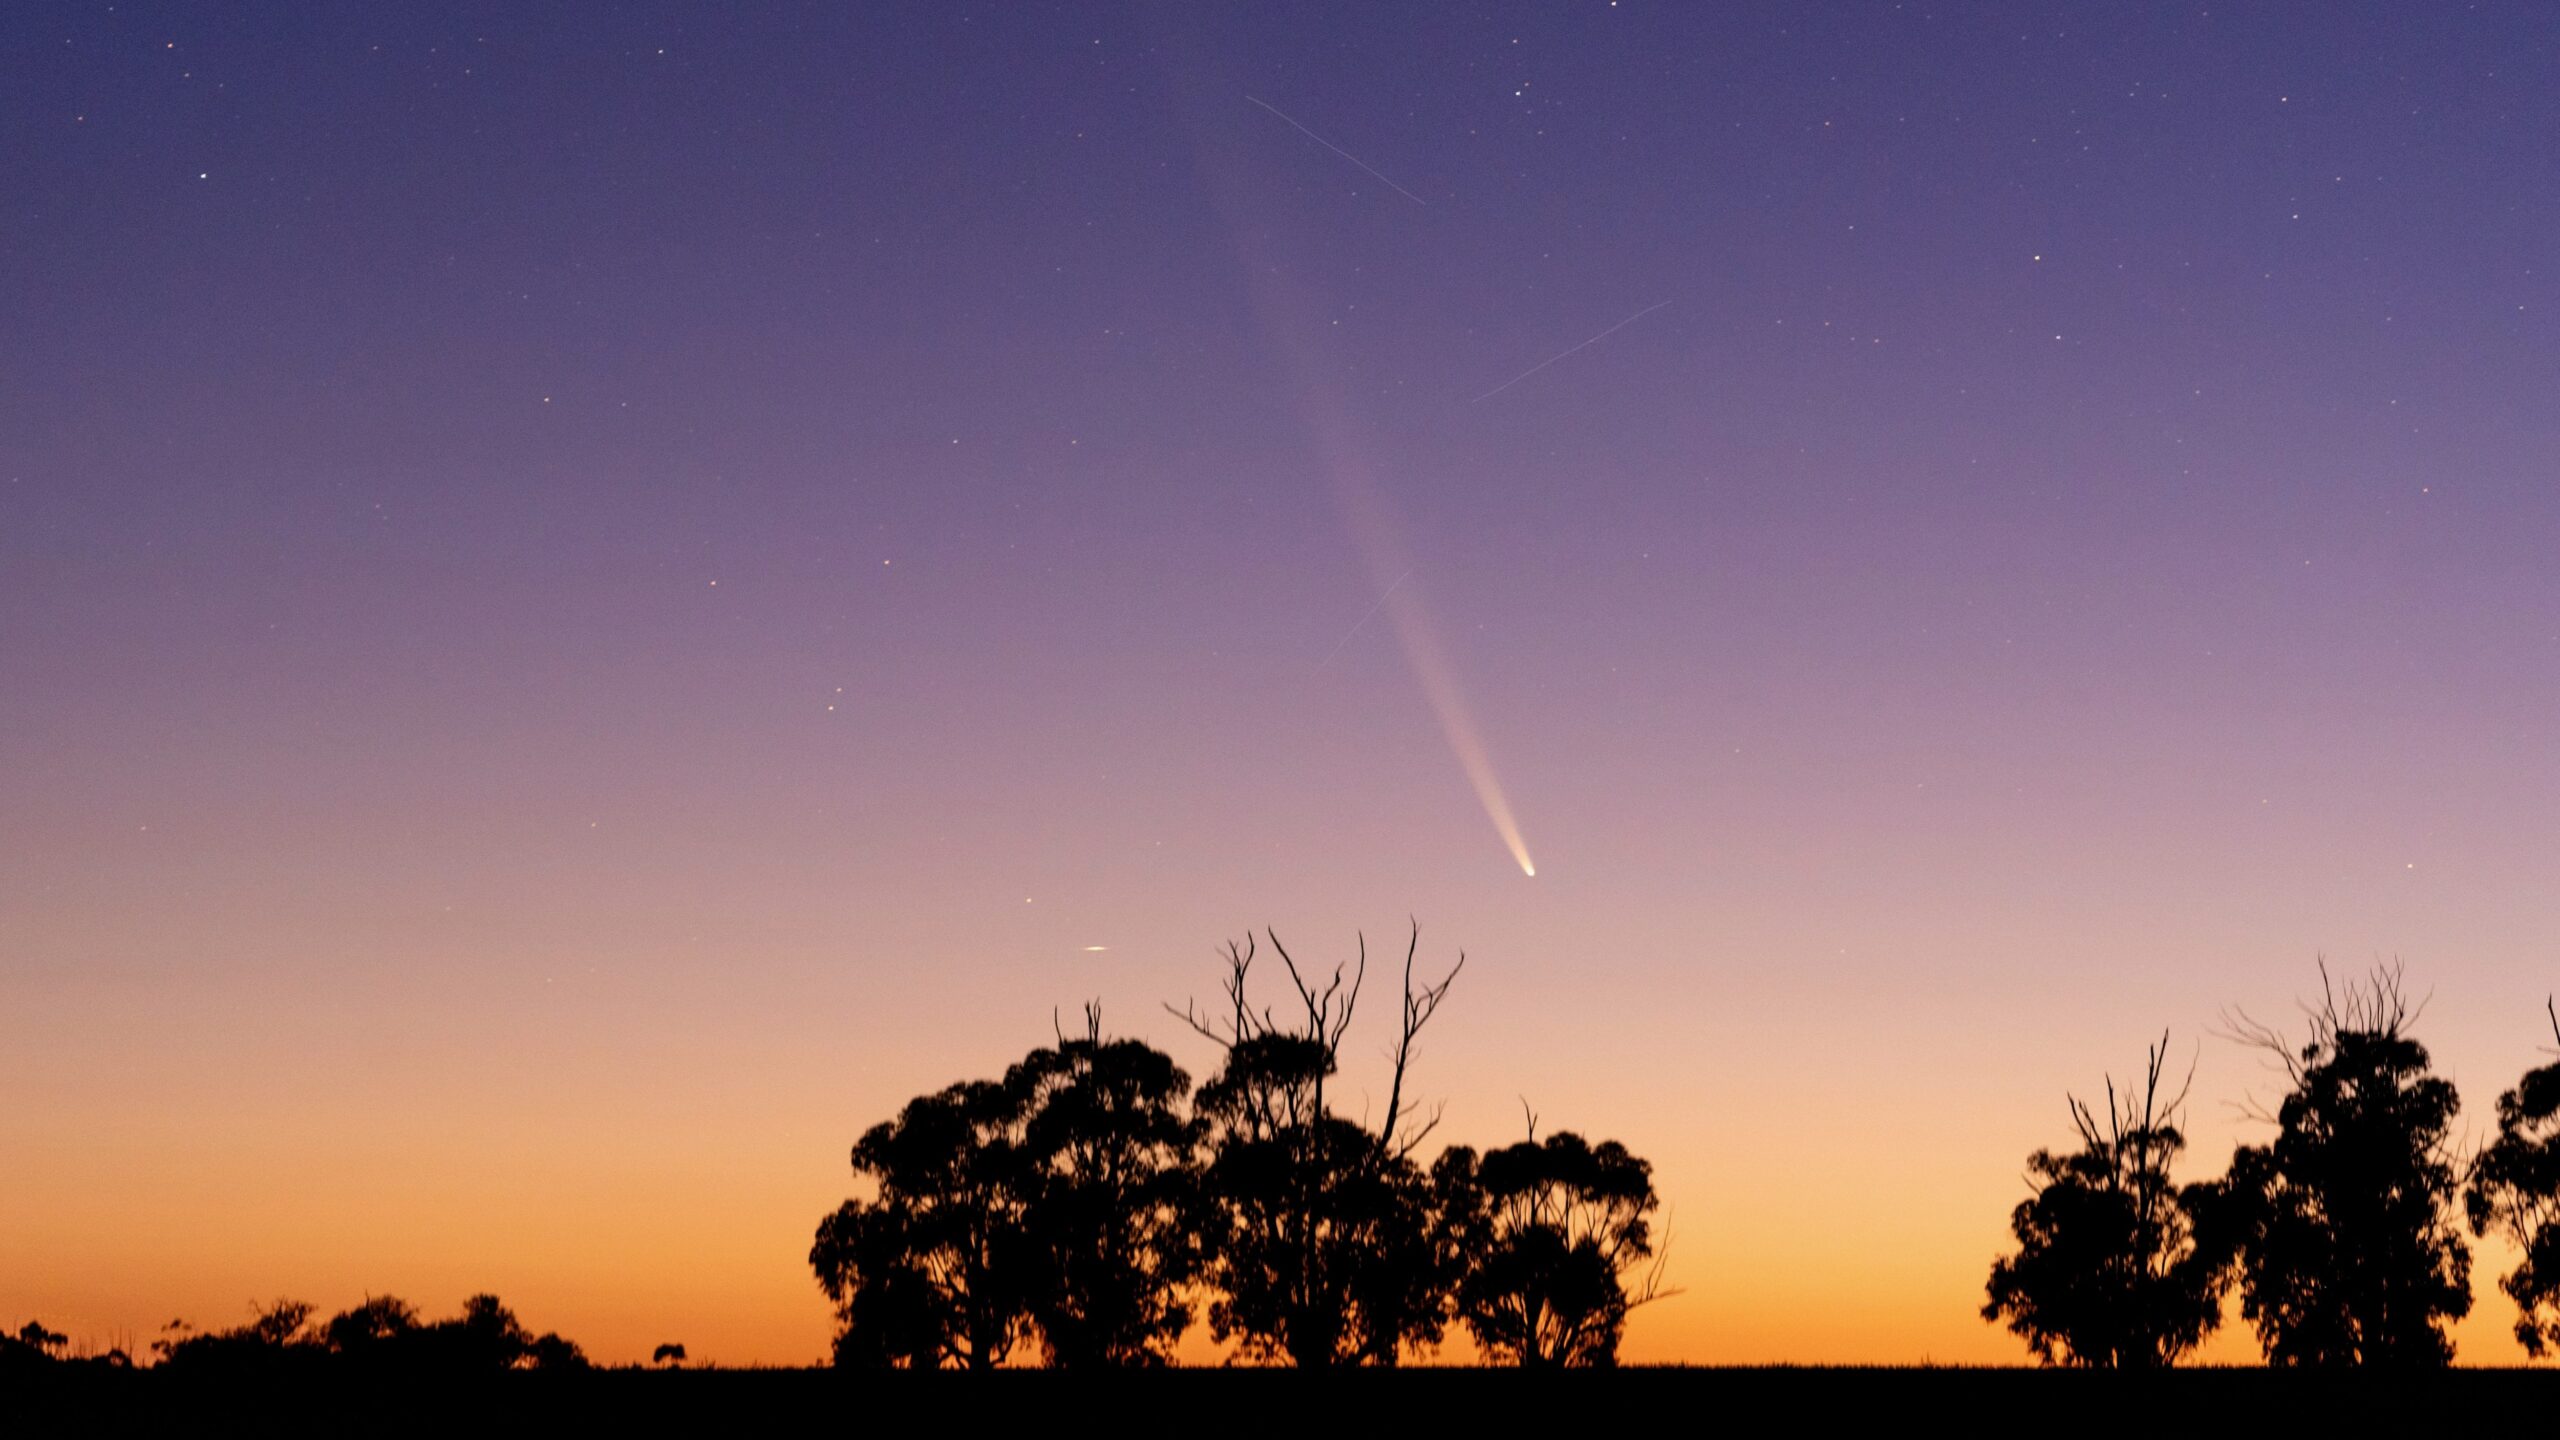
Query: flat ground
{"points": [[1423, 1402]]}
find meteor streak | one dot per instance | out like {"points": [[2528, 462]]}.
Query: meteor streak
{"points": [[1550, 360], [1345, 154]]}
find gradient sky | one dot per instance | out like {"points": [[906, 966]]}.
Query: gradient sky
{"points": [[590, 600]]}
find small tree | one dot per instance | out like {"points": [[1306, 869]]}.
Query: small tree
{"points": [[668, 1354], [2108, 1271], [2515, 1192], [2344, 1224], [1109, 1156], [553, 1353], [33, 1346], [1553, 1230], [938, 1267]]}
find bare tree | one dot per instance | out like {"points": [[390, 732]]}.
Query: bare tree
{"points": [[1323, 1241], [1323, 1021]]}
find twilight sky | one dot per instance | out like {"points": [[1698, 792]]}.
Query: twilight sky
{"points": [[589, 600]]}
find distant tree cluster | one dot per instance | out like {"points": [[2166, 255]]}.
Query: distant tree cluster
{"points": [[382, 1337], [2341, 1234], [1087, 1208]]}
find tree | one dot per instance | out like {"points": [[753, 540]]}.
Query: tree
{"points": [[279, 1336], [669, 1353], [2515, 1192], [372, 1329], [2344, 1227], [1553, 1229], [33, 1347], [385, 1335], [1109, 1156], [484, 1337], [2108, 1271], [938, 1267], [1323, 1246], [552, 1353]]}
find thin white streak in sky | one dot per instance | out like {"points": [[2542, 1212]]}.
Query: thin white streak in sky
{"points": [[1363, 620], [1543, 364], [1345, 154]]}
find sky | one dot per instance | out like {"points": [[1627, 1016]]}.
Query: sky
{"points": [[591, 598]]}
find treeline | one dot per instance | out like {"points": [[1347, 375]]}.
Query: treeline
{"points": [[383, 1337], [1087, 1208], [2342, 1235]]}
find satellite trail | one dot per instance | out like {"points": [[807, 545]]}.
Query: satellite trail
{"points": [[1550, 360], [1364, 619], [1345, 154]]}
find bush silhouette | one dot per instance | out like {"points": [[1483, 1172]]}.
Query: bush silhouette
{"points": [[381, 1337]]}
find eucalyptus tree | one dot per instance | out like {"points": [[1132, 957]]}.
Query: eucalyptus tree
{"points": [[1322, 1239], [2515, 1192], [2348, 1245], [1110, 1150], [2109, 1270], [937, 1266], [1553, 1231]]}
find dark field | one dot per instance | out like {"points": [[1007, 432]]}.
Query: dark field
{"points": [[1422, 1401]]}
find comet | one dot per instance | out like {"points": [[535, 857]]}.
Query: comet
{"points": [[1284, 312], [1365, 512], [1439, 680]]}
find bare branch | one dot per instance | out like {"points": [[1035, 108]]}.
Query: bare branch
{"points": [[1420, 1004]]}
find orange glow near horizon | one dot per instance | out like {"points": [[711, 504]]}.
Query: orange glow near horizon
{"points": [[583, 618]]}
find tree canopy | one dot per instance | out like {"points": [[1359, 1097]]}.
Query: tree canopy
{"points": [[1089, 1199]]}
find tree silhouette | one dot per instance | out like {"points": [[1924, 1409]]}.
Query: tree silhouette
{"points": [[484, 1337], [2108, 1271], [279, 1336], [33, 1347], [378, 1333], [1551, 1230], [2343, 1224], [1109, 1156], [669, 1353], [552, 1353], [2515, 1192], [380, 1337], [1321, 1239], [938, 1267]]}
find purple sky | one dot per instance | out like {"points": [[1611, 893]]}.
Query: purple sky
{"points": [[565, 577]]}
